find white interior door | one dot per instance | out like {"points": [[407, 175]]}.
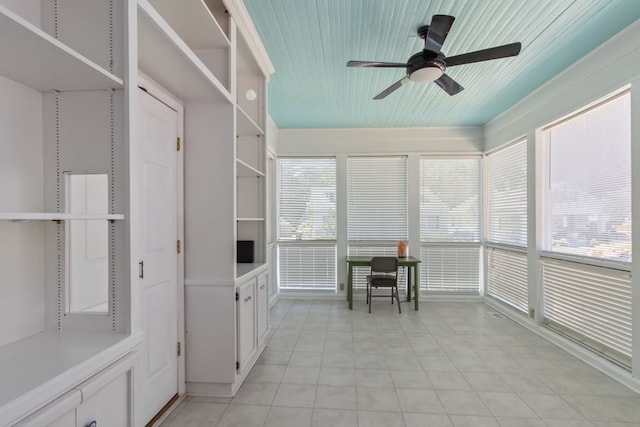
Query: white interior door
{"points": [[158, 130]]}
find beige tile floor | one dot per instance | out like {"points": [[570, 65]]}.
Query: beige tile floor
{"points": [[447, 365]]}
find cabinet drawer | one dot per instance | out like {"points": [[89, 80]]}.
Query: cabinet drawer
{"points": [[108, 407], [59, 413], [106, 397]]}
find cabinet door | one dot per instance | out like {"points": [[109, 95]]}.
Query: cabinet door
{"points": [[246, 321], [262, 308], [109, 406]]}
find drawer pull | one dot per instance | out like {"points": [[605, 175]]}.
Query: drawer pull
{"points": [[93, 423]]}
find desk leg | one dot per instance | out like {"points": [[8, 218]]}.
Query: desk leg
{"points": [[350, 287], [408, 271], [416, 280]]}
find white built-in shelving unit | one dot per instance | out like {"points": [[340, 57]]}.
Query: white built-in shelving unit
{"points": [[62, 111], [69, 106], [208, 55]]}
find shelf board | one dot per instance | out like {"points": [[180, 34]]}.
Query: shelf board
{"points": [[167, 59], [194, 23], [51, 362], [245, 169], [39, 61], [245, 125], [53, 216], [246, 219]]}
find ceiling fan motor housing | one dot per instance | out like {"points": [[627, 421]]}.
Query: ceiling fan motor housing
{"points": [[425, 66]]}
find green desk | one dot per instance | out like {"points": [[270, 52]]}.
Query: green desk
{"points": [[365, 261]]}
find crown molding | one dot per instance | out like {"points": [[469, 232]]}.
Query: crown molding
{"points": [[240, 15]]}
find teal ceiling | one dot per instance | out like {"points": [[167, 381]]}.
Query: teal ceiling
{"points": [[310, 42]]}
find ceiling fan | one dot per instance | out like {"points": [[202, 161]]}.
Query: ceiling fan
{"points": [[430, 64]]}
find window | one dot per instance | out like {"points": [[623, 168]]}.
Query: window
{"points": [[507, 195], [507, 277], [310, 266], [377, 207], [307, 223], [588, 183], [587, 220], [450, 199], [271, 184], [590, 305], [507, 225], [450, 224], [377, 198]]}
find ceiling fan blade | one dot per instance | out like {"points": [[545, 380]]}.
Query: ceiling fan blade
{"points": [[497, 52], [376, 64], [438, 30], [449, 85], [397, 85]]}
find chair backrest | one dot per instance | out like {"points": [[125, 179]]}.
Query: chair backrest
{"points": [[384, 264]]}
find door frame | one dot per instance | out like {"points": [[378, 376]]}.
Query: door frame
{"points": [[164, 96]]}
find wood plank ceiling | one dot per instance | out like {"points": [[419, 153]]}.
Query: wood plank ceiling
{"points": [[310, 41]]}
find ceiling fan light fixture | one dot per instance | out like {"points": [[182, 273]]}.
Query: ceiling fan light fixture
{"points": [[429, 73]]}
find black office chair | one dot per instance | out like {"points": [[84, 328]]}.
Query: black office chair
{"points": [[384, 274]]}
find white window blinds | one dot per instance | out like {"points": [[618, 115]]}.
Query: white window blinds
{"points": [[307, 266], [450, 199], [271, 184], [591, 305], [306, 199], [450, 214], [376, 198], [588, 190], [507, 277], [450, 268], [507, 195], [307, 223]]}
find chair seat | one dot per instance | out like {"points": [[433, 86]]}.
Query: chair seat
{"points": [[379, 280]]}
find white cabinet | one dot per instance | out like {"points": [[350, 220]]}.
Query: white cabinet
{"points": [[246, 322], [262, 308], [105, 399], [226, 329]]}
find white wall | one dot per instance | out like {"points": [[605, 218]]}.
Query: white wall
{"points": [[608, 68], [329, 142], [21, 260]]}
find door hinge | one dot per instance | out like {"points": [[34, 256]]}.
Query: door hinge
{"points": [[178, 143], [237, 296], [179, 349], [237, 365], [178, 245]]}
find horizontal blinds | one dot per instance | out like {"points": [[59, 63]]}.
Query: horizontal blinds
{"points": [[306, 199], [360, 273], [376, 198], [507, 195], [588, 194], [450, 199], [450, 269], [271, 184], [307, 266], [507, 277], [591, 304]]}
